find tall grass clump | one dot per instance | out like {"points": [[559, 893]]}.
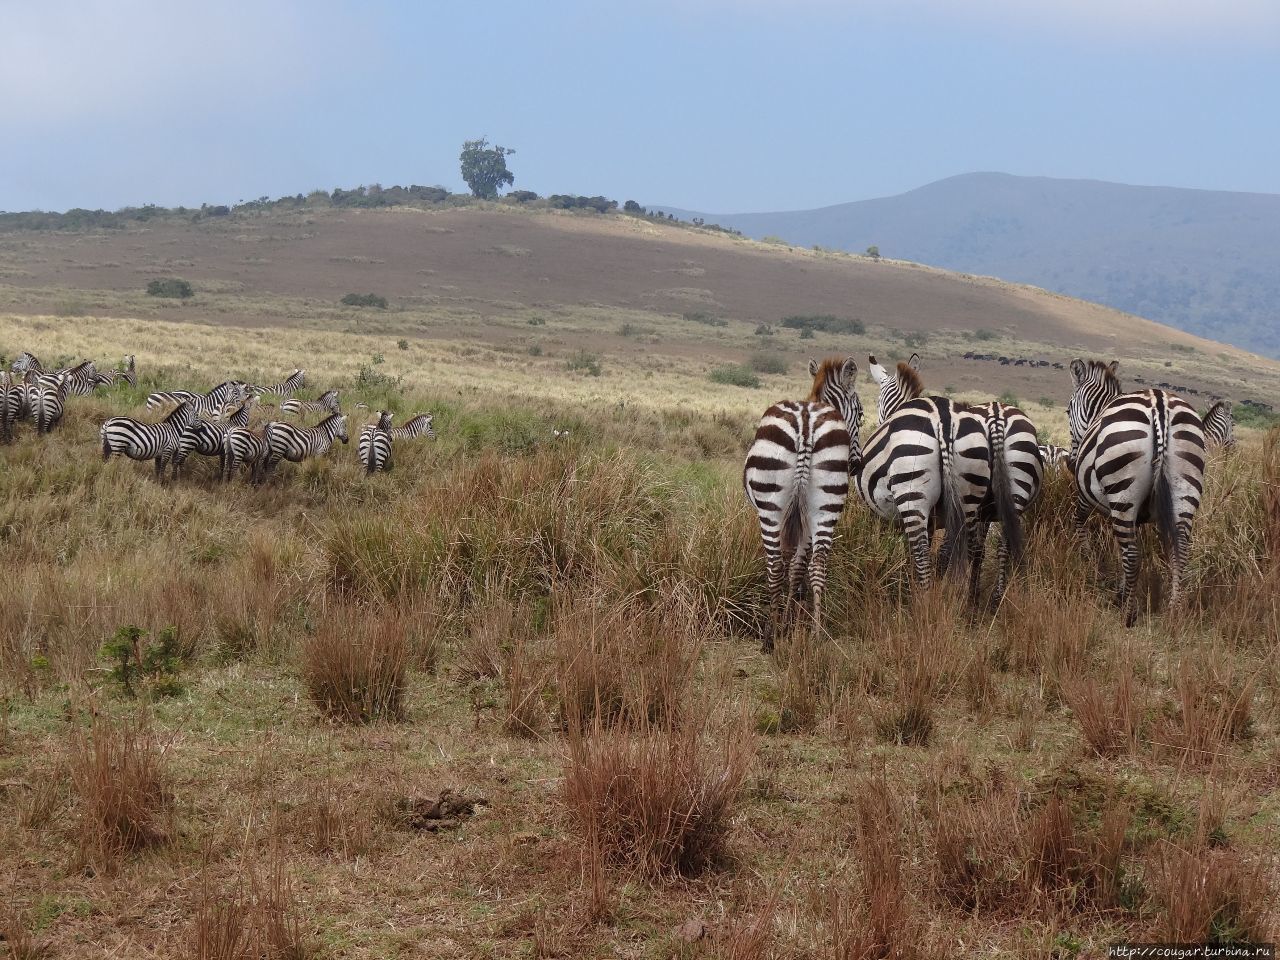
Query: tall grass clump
{"points": [[256, 917], [124, 800], [354, 666]]}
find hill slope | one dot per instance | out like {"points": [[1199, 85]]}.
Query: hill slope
{"points": [[1203, 261], [664, 302]]}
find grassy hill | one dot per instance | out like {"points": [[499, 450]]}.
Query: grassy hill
{"points": [[1200, 260]]}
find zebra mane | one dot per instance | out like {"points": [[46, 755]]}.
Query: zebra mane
{"points": [[1218, 405], [828, 370], [1097, 370], [909, 377]]}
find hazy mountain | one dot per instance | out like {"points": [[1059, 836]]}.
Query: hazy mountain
{"points": [[1205, 261]]}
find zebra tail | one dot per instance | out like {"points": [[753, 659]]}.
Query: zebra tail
{"points": [[370, 463], [106, 445], [956, 541], [1002, 490], [1166, 517]]}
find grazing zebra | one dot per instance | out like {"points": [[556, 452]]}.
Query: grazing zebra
{"points": [[327, 401], [1014, 469], [146, 441], [205, 436], [295, 444], [1054, 456], [286, 387], [419, 426], [797, 478], [129, 374], [203, 404], [47, 395], [13, 401], [241, 446], [375, 442], [81, 379], [1219, 426], [26, 361], [1137, 458]]}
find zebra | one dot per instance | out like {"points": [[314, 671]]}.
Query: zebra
{"points": [[1219, 426], [327, 401], [13, 403], [205, 436], [419, 426], [1137, 458], [146, 441], [81, 379], [241, 446], [796, 477], [295, 444], [46, 397], [1054, 456], [375, 442], [203, 404], [286, 387], [129, 373], [1013, 475], [26, 361]]}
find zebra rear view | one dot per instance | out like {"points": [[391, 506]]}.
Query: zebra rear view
{"points": [[1137, 458], [797, 478]]}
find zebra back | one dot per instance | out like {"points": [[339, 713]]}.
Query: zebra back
{"points": [[419, 426]]}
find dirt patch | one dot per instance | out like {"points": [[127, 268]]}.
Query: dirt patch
{"points": [[421, 814]]}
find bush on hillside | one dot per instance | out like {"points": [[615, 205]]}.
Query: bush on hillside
{"points": [[170, 287], [768, 363], [564, 201], [365, 300], [522, 196], [735, 375], [824, 322], [710, 320]]}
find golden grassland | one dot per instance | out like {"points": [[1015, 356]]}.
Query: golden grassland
{"points": [[507, 700]]}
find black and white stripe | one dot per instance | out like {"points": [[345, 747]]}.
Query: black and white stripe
{"points": [[419, 426], [146, 441], [326, 402], [797, 478], [81, 380], [204, 437], [229, 392], [894, 390], [242, 447], [13, 403], [129, 373], [26, 361], [46, 398], [295, 444], [286, 387], [1054, 456], [1137, 458], [374, 446], [1219, 426]]}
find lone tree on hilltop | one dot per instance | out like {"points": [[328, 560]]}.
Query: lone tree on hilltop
{"points": [[484, 168]]}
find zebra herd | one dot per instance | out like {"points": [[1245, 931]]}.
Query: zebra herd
{"points": [[933, 462], [215, 423]]}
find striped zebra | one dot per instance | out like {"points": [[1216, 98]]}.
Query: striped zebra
{"points": [[205, 436], [146, 441], [128, 373], [209, 404], [46, 398], [26, 361], [419, 426], [1219, 426], [1054, 456], [13, 402], [1009, 474], [242, 447], [374, 446], [82, 379], [326, 402], [286, 387], [295, 444], [797, 479], [1137, 458]]}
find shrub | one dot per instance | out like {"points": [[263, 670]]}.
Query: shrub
{"points": [[170, 287], [364, 300], [768, 363], [873, 252], [522, 196], [772, 239], [563, 201], [583, 362], [825, 322], [402, 344], [354, 667], [985, 335], [806, 333], [632, 207], [535, 350], [915, 340], [1009, 397], [536, 321], [156, 665], [764, 330], [706, 319], [735, 375]]}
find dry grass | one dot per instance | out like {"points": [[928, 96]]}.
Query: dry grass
{"points": [[354, 666], [256, 917]]}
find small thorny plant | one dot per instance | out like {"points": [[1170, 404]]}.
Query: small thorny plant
{"points": [[153, 666]]}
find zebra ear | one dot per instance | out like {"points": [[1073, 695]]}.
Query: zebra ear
{"points": [[813, 368], [1112, 366], [914, 362], [1077, 370], [849, 371]]}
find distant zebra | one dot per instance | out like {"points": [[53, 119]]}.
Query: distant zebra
{"points": [[242, 447], [81, 379], [1054, 456], [374, 446], [203, 404], [419, 426], [205, 436], [26, 361], [797, 479], [286, 387], [47, 395], [146, 441], [13, 401], [295, 444], [1137, 458], [129, 374], [1219, 426], [327, 402]]}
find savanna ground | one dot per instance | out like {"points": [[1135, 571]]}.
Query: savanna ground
{"points": [[563, 634]]}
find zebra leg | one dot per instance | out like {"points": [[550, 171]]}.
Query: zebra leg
{"points": [[1005, 563], [1179, 552], [818, 581], [976, 531], [779, 603], [796, 577], [1126, 538], [916, 528], [1081, 515]]}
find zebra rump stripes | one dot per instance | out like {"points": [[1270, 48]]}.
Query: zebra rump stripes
{"points": [[146, 441], [1137, 458], [374, 446]]}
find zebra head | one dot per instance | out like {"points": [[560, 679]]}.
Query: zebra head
{"points": [[1219, 426], [340, 428], [1093, 386], [384, 420], [905, 384], [833, 383], [330, 400]]}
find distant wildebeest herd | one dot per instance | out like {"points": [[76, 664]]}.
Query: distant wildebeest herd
{"points": [[211, 424], [935, 463]]}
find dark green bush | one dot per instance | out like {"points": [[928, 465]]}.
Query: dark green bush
{"points": [[365, 300], [707, 319], [825, 322], [735, 375], [583, 362], [170, 287], [768, 363]]}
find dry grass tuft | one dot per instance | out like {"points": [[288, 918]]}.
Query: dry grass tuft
{"points": [[1111, 723], [124, 801], [16, 936], [1213, 711], [256, 918], [659, 799], [1214, 896], [355, 665]]}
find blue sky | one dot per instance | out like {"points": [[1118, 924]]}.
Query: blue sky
{"points": [[719, 105]]}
